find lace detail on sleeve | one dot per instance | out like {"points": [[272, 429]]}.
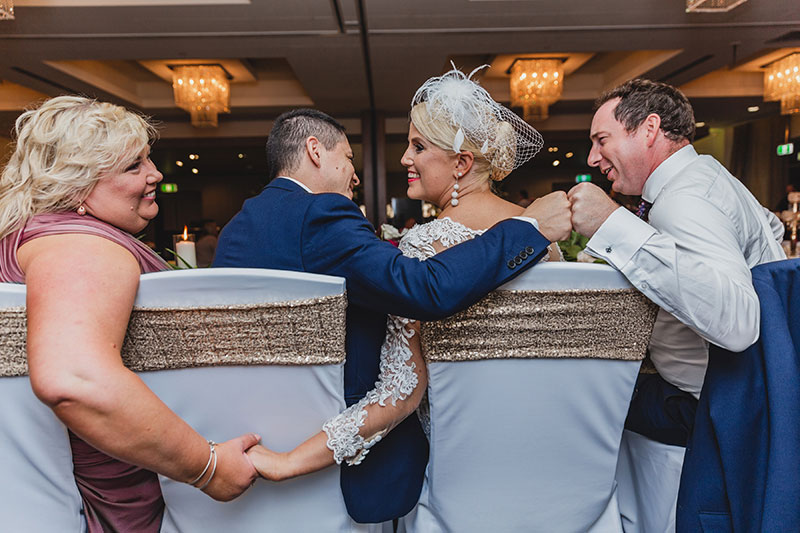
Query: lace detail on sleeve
{"points": [[397, 380]]}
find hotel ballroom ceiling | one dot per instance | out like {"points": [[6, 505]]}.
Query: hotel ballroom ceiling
{"points": [[349, 56]]}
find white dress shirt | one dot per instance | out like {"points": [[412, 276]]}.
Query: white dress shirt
{"points": [[705, 232]]}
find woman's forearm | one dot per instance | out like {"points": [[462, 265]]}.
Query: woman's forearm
{"points": [[128, 421]]}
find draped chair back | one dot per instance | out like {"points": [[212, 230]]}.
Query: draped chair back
{"points": [[528, 392], [37, 488], [230, 351]]}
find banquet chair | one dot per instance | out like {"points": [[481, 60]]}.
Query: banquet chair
{"points": [[276, 371], [528, 392], [648, 477], [37, 488], [230, 351]]}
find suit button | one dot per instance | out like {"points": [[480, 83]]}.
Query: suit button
{"points": [[528, 250], [523, 255], [608, 249], [518, 260], [511, 264]]}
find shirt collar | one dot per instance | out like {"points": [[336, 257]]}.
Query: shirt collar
{"points": [[664, 172], [299, 184]]}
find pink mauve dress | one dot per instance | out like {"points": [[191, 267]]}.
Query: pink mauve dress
{"points": [[117, 496]]}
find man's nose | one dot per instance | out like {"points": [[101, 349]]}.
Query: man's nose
{"points": [[594, 157]]}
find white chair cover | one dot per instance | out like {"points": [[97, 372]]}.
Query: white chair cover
{"points": [[527, 444], [648, 474], [37, 489], [284, 404]]}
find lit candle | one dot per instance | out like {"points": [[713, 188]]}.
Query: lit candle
{"points": [[185, 251]]}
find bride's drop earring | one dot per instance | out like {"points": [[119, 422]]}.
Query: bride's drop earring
{"points": [[454, 194], [81, 210]]}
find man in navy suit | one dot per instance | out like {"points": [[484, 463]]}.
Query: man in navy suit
{"points": [[295, 223]]}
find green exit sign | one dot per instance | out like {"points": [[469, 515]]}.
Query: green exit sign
{"points": [[786, 149], [169, 187], [583, 177]]}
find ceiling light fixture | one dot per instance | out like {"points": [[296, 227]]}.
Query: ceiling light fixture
{"points": [[6, 9], [782, 83], [711, 6], [753, 109], [203, 91], [535, 84]]}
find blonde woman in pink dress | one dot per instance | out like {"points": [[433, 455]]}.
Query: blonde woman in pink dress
{"points": [[79, 183]]}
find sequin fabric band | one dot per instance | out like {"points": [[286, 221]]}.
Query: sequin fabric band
{"points": [[281, 333], [596, 324]]}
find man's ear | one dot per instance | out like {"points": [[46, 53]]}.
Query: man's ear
{"points": [[464, 162], [314, 151], [652, 125]]}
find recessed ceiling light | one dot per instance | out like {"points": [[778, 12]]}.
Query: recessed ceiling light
{"points": [[556, 163], [753, 108], [194, 157], [179, 163], [241, 156], [568, 155], [195, 171], [699, 124]]}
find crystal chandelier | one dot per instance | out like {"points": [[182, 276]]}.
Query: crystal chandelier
{"points": [[782, 83], [6, 9], [535, 84], [711, 6], [203, 91]]}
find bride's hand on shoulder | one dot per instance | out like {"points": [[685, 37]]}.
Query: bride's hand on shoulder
{"points": [[270, 465]]}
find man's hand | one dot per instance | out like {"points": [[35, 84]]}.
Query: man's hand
{"points": [[553, 215], [590, 208]]}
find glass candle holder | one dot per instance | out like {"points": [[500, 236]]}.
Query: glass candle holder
{"points": [[183, 246]]}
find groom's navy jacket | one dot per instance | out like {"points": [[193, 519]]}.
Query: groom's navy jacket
{"points": [[287, 228]]}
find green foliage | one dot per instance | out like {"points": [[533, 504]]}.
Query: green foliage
{"points": [[574, 244]]}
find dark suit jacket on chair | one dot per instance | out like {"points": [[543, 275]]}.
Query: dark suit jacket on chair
{"points": [[287, 228], [742, 467]]}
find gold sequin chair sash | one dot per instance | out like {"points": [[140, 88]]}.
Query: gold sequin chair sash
{"points": [[275, 333], [532, 324]]}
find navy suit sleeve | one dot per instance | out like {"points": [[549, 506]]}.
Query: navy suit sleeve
{"points": [[338, 240]]}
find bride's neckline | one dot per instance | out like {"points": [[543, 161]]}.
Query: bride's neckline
{"points": [[477, 231]]}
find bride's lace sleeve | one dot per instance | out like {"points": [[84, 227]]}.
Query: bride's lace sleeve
{"points": [[359, 427], [402, 381]]}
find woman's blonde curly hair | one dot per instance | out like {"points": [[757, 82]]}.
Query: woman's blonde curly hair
{"points": [[62, 149]]}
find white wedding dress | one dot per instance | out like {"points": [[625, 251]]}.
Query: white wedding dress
{"points": [[397, 379]]}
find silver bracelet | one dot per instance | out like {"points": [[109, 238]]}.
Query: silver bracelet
{"points": [[211, 454], [213, 470]]}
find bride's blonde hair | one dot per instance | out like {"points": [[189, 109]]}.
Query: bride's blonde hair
{"points": [[455, 113], [63, 148]]}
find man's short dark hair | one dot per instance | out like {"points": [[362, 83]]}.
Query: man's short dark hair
{"points": [[639, 98], [288, 137]]}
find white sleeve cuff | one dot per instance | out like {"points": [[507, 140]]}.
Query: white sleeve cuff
{"points": [[619, 238], [530, 220]]}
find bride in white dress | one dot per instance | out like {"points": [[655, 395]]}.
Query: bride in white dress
{"points": [[459, 141]]}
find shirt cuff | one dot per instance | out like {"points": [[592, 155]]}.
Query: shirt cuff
{"points": [[619, 238], [529, 220]]}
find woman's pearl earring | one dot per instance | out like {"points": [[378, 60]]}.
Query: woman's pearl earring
{"points": [[81, 210], [454, 194]]}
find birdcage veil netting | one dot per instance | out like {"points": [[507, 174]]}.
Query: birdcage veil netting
{"points": [[503, 138]]}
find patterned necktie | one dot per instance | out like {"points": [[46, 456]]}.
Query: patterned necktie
{"points": [[644, 209]]}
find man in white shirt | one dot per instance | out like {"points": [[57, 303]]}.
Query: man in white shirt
{"points": [[692, 256]]}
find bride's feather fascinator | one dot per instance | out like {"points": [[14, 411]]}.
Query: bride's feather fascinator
{"points": [[504, 139]]}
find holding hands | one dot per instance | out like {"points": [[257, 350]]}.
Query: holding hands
{"points": [[233, 472]]}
